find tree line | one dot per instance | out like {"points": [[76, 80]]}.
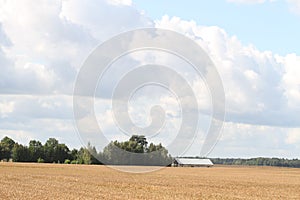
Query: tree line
{"points": [[116, 152], [278, 162], [135, 151]]}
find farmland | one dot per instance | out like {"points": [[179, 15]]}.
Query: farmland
{"points": [[57, 181]]}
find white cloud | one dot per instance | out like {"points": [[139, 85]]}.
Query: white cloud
{"points": [[294, 6], [245, 140], [43, 46], [6, 108], [53, 38], [27, 117], [41, 50], [21, 107], [120, 2], [114, 17], [290, 79], [293, 136], [260, 87], [17, 135]]}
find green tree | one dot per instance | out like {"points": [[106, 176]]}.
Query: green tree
{"points": [[74, 154], [50, 149], [20, 153], [139, 142], [55, 152], [7, 145], [158, 155], [84, 156], [94, 155], [62, 153], [139, 153], [36, 150]]}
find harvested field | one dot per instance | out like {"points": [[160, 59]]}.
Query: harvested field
{"points": [[56, 181]]}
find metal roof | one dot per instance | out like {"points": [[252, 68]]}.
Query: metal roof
{"points": [[194, 161]]}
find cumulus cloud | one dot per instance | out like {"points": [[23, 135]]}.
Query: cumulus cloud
{"points": [[48, 40], [260, 87], [42, 48], [121, 16]]}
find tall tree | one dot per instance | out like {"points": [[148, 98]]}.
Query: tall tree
{"points": [[20, 153], [84, 156], [154, 155], [50, 150], [62, 153], [140, 140], [35, 150], [7, 145]]}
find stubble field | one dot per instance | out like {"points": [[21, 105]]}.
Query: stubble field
{"points": [[54, 181]]}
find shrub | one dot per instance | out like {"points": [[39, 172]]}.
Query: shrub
{"points": [[74, 162], [40, 160], [67, 161]]}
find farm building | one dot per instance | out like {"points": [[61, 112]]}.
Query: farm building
{"points": [[192, 162]]}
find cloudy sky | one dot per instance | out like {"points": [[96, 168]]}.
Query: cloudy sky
{"points": [[254, 45]]}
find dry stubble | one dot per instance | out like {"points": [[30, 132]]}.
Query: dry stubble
{"points": [[55, 181]]}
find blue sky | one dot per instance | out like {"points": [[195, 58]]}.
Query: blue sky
{"points": [[254, 45], [270, 26]]}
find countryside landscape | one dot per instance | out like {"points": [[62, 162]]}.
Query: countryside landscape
{"points": [[140, 99], [87, 178]]}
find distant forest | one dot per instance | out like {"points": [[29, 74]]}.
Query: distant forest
{"points": [[278, 162], [115, 153], [142, 153]]}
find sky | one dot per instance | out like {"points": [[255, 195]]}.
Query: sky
{"points": [[269, 25], [253, 43]]}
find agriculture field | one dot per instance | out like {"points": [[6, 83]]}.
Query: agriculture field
{"points": [[54, 181]]}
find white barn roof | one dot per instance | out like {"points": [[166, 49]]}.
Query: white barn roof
{"points": [[194, 161]]}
